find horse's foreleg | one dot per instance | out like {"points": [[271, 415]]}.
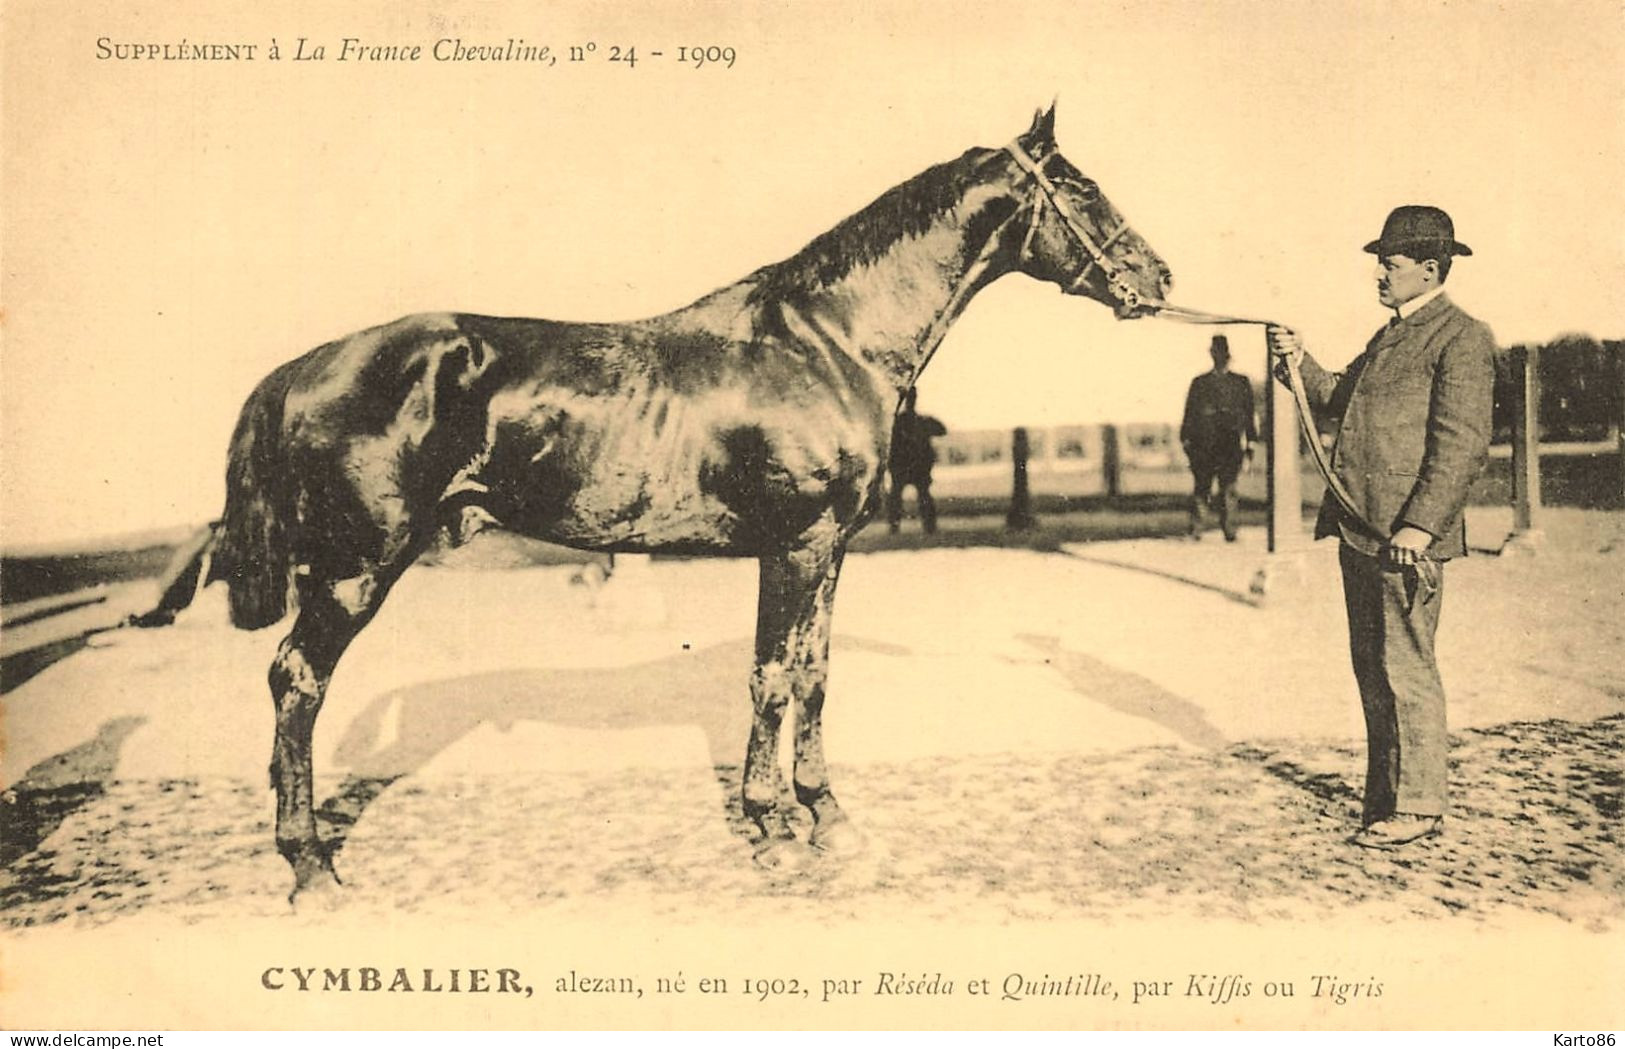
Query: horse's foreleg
{"points": [[792, 662], [763, 782], [811, 773], [785, 588]]}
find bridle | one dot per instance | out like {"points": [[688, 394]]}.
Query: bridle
{"points": [[1117, 285], [1120, 289]]}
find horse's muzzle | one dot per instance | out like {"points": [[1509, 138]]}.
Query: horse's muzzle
{"points": [[1133, 303], [1131, 306]]}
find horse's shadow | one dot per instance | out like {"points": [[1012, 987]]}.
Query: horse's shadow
{"points": [[54, 789], [400, 732]]}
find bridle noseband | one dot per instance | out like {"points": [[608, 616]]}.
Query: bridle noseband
{"points": [[1116, 284]]}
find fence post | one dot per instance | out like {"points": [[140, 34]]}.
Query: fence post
{"points": [[1285, 487], [1619, 423], [1282, 568], [1021, 504], [1111, 461], [1526, 448]]}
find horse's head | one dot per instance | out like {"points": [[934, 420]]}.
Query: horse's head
{"points": [[1073, 236]]}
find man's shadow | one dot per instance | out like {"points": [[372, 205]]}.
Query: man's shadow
{"points": [[1329, 787], [1128, 693]]}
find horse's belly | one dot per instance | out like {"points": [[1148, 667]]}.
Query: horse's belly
{"points": [[635, 511], [575, 494], [662, 473]]}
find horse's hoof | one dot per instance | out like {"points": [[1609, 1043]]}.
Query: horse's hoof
{"points": [[315, 885], [318, 896], [782, 856], [840, 838]]}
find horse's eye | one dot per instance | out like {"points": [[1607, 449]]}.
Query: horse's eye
{"points": [[1088, 190]]}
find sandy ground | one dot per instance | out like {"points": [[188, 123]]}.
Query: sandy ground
{"points": [[1113, 731]]}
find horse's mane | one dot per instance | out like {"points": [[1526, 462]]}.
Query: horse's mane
{"points": [[905, 210]]}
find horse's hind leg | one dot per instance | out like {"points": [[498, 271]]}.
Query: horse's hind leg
{"points": [[332, 613], [792, 661]]}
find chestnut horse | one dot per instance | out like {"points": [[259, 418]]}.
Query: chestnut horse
{"points": [[754, 423]]}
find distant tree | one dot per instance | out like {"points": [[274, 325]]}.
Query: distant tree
{"points": [[1580, 388]]}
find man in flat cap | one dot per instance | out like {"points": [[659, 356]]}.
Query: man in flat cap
{"points": [[1415, 430], [1217, 433]]}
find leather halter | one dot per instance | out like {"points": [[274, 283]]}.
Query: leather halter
{"points": [[1119, 288]]}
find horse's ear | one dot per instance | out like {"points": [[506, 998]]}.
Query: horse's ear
{"points": [[1040, 138]]}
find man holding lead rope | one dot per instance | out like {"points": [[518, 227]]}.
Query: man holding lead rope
{"points": [[1414, 432]]}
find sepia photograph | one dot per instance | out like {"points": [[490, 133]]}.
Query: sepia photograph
{"points": [[728, 515]]}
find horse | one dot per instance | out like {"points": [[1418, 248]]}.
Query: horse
{"points": [[754, 422]]}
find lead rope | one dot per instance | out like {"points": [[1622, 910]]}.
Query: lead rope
{"points": [[1300, 398], [1422, 577], [1127, 295]]}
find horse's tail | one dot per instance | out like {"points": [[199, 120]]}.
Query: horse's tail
{"points": [[253, 552], [182, 578]]}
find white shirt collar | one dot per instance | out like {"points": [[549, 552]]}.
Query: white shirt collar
{"points": [[1405, 309]]}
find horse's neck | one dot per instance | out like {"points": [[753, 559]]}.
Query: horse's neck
{"points": [[893, 312]]}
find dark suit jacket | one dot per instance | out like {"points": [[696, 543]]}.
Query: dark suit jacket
{"points": [[912, 455], [1218, 415], [1415, 431]]}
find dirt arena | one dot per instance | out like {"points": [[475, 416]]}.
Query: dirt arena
{"points": [[1113, 730]]}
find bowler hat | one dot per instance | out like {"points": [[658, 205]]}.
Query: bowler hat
{"points": [[1417, 226]]}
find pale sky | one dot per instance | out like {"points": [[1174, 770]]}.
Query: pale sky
{"points": [[172, 231]]}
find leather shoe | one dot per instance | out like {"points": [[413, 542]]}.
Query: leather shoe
{"points": [[1398, 831]]}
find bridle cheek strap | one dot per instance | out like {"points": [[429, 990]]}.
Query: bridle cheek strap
{"points": [[1119, 288]]}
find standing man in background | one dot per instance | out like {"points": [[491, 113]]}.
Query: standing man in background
{"points": [[1415, 430], [1217, 434], [912, 458]]}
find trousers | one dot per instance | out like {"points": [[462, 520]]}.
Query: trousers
{"points": [[928, 505], [1206, 469], [1391, 643]]}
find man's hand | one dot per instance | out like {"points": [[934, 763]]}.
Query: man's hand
{"points": [[1285, 343], [1408, 544], [1407, 551]]}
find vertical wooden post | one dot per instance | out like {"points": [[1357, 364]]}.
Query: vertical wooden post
{"points": [[1285, 480], [1619, 423], [1021, 504], [1111, 461], [1526, 443]]}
